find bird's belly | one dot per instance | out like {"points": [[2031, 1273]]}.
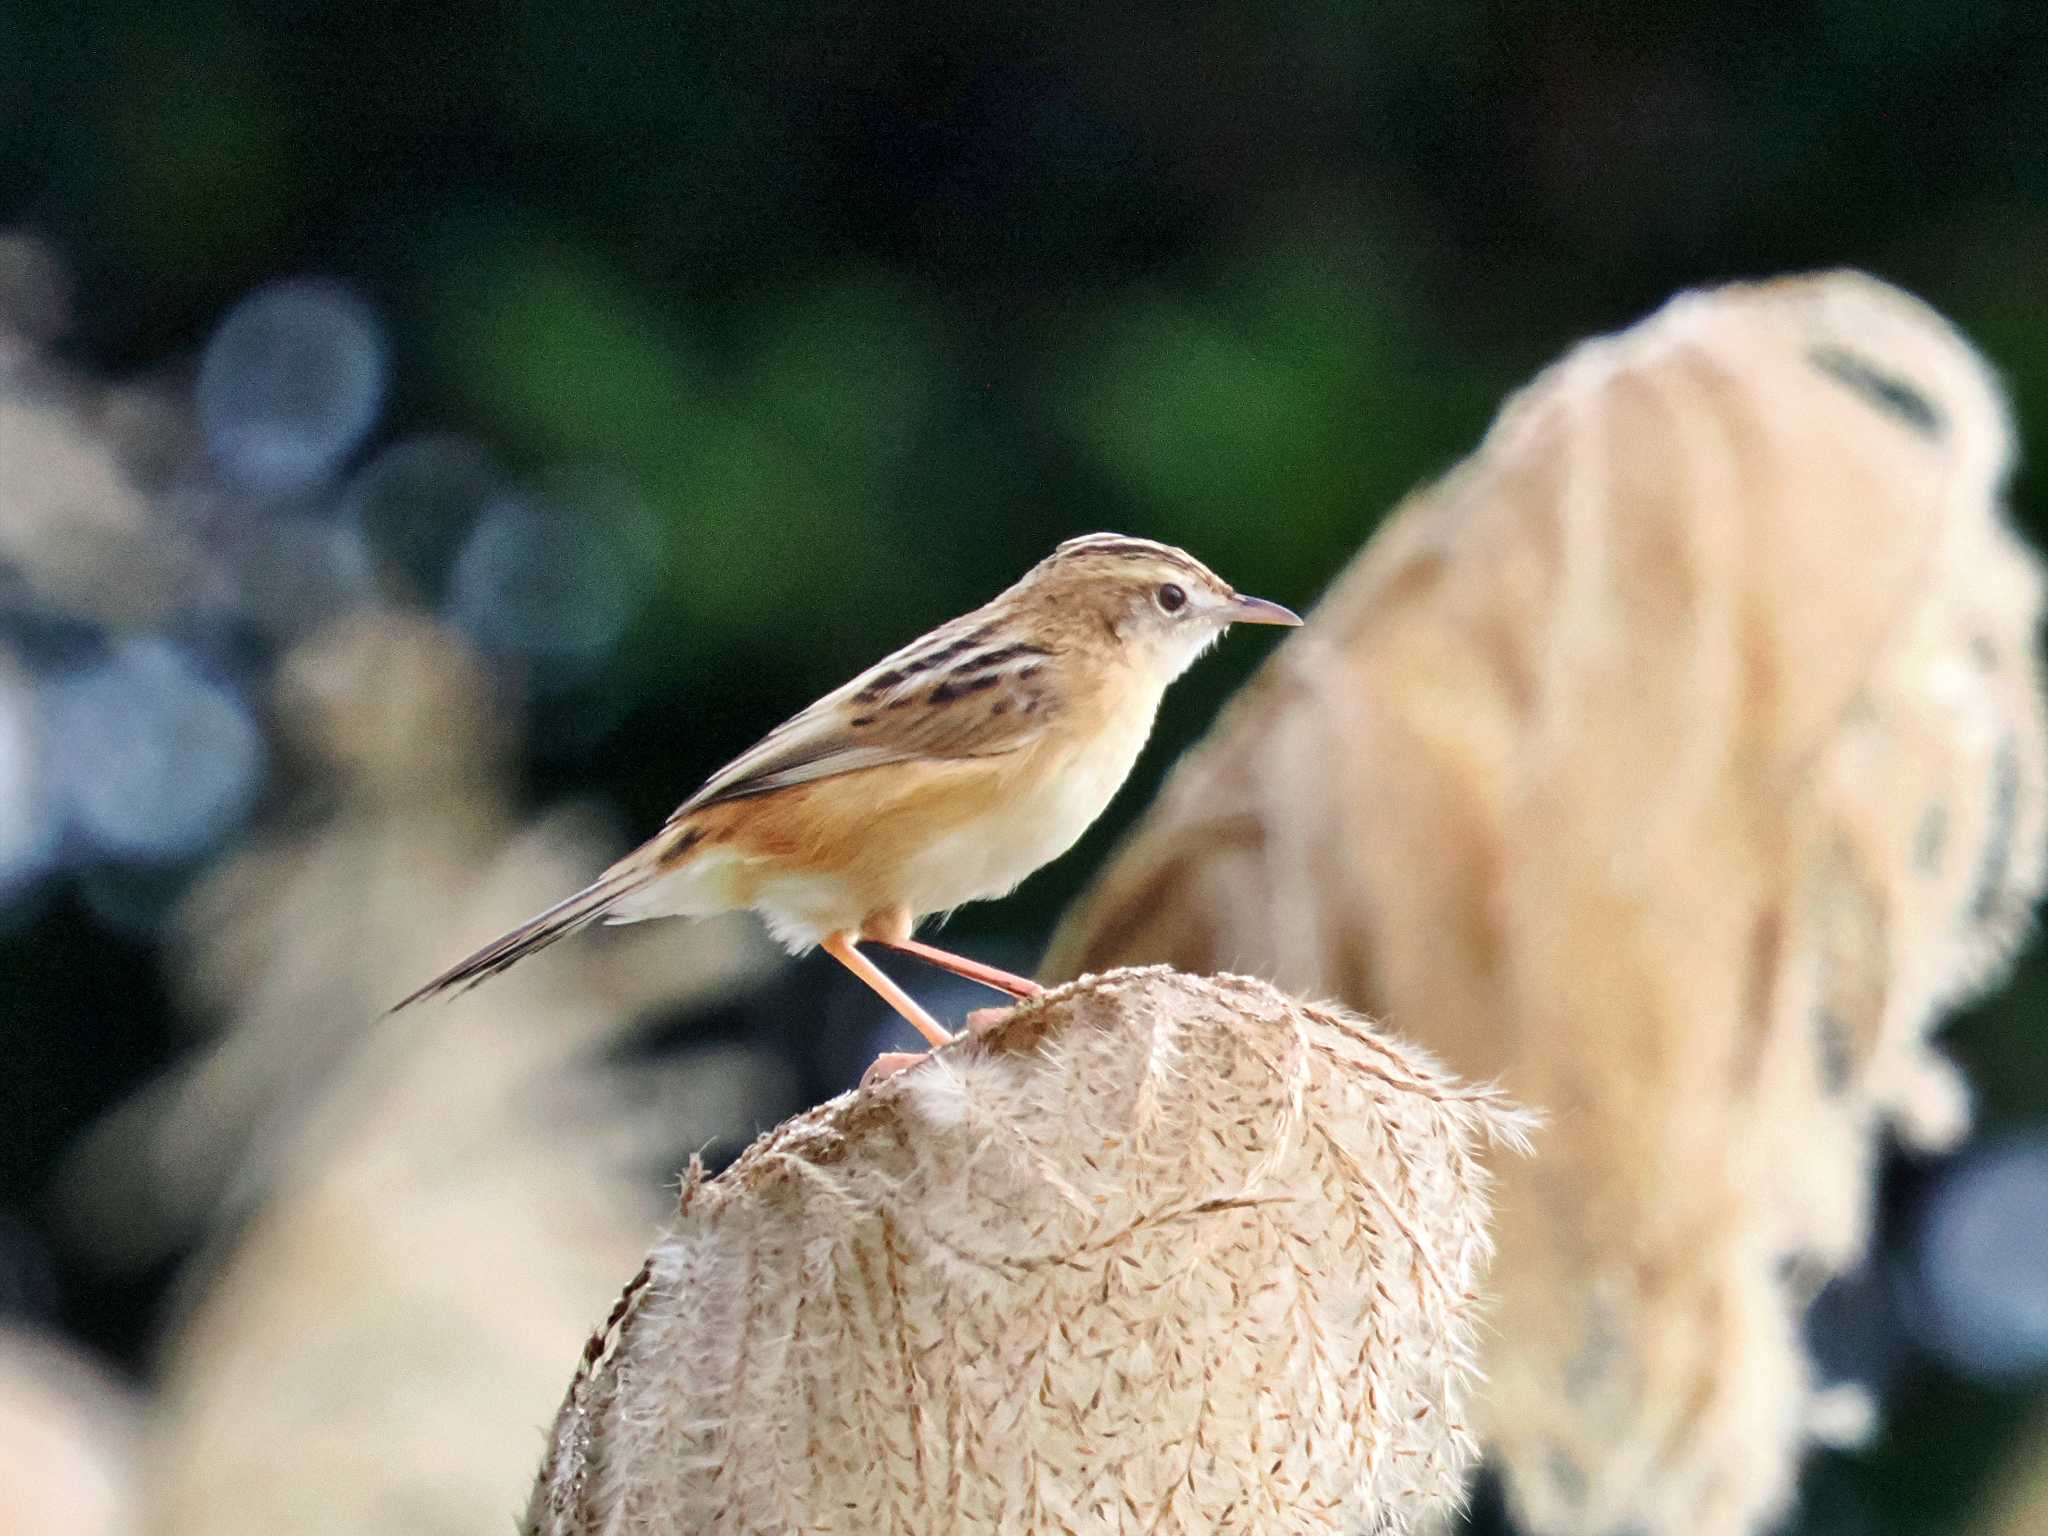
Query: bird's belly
{"points": [[1029, 828], [918, 853]]}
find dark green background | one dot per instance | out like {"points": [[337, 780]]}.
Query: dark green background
{"points": [[867, 304]]}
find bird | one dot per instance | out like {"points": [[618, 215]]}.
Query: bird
{"points": [[945, 773]]}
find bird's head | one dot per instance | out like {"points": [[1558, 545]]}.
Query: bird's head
{"points": [[1157, 603]]}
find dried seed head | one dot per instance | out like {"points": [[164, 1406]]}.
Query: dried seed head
{"points": [[1677, 759], [1160, 1254]]}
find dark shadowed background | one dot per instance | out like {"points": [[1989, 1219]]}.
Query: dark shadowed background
{"points": [[687, 359]]}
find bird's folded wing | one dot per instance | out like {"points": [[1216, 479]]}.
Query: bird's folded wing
{"points": [[965, 690]]}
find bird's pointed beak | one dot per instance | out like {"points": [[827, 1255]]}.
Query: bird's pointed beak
{"points": [[1256, 610]]}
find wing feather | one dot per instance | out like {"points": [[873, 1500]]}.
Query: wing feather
{"points": [[964, 690]]}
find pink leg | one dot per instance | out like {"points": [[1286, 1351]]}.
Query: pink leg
{"points": [[840, 946], [974, 970]]}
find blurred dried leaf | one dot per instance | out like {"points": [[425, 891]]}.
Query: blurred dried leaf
{"points": [[68, 1442], [382, 1342], [1675, 759], [412, 1220], [71, 522], [1160, 1254], [298, 943]]}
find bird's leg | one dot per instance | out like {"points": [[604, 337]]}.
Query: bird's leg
{"points": [[974, 970], [841, 947]]}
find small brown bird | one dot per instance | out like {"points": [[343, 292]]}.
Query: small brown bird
{"points": [[943, 774]]}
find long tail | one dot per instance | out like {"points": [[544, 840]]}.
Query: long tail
{"points": [[563, 918]]}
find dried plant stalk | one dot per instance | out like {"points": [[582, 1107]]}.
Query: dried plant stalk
{"points": [[1156, 1254], [68, 1440], [1676, 760], [404, 1226]]}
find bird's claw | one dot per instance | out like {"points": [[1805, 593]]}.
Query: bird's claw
{"points": [[979, 1023], [889, 1063]]}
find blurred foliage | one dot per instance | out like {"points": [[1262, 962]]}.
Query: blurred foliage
{"points": [[831, 317]]}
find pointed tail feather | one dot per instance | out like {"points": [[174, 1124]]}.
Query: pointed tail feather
{"points": [[563, 918]]}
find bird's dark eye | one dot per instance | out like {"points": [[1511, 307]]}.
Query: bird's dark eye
{"points": [[1172, 599]]}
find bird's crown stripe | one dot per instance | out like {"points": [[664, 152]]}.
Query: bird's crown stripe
{"points": [[1123, 544]]}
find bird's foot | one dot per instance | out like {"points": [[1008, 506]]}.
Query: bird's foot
{"points": [[889, 1063], [979, 1023]]}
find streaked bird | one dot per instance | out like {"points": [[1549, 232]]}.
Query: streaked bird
{"points": [[943, 774]]}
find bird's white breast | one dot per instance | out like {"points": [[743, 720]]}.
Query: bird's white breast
{"points": [[1044, 816]]}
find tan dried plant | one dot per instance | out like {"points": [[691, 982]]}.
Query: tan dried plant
{"points": [[80, 534], [405, 1227], [1677, 760], [68, 1440], [1156, 1254], [74, 528]]}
